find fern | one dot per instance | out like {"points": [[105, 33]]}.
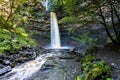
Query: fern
{"points": [[12, 34], [94, 69], [24, 40], [21, 38], [5, 34], [5, 45]]}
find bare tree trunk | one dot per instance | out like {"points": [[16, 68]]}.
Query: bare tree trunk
{"points": [[11, 5], [118, 28], [113, 23], [105, 25]]}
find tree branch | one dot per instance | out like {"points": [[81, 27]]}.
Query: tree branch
{"points": [[105, 25], [113, 23], [11, 5]]}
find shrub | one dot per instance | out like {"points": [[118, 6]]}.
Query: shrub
{"points": [[94, 69], [86, 39], [69, 20], [13, 41]]}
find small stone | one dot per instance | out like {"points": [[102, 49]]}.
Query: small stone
{"points": [[115, 66], [29, 53], [6, 62], [1, 65], [24, 54]]}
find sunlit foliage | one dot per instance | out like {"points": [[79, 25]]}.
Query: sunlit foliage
{"points": [[94, 69], [12, 21]]}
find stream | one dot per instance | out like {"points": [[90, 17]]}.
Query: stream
{"points": [[52, 65]]}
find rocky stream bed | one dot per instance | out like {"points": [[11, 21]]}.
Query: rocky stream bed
{"points": [[60, 64]]}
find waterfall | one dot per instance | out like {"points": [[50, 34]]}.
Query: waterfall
{"points": [[46, 4], [55, 37]]}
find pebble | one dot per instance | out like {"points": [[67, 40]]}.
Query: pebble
{"points": [[6, 62]]}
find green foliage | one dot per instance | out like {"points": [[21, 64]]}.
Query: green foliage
{"points": [[91, 49], [81, 77], [23, 40], [69, 20], [84, 38], [71, 6], [34, 32], [87, 62], [108, 40], [56, 5], [13, 41], [94, 69], [4, 34], [71, 30], [12, 34]]}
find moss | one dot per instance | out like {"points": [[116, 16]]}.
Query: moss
{"points": [[94, 69], [91, 75]]}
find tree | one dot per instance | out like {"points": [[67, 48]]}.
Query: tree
{"points": [[89, 10], [112, 8], [13, 35]]}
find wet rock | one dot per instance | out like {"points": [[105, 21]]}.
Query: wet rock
{"points": [[1, 65], [50, 58], [24, 54], [115, 75], [2, 57], [21, 59], [6, 62], [115, 66], [13, 64], [65, 57], [47, 67], [80, 52], [29, 53], [72, 50], [1, 61], [5, 70]]}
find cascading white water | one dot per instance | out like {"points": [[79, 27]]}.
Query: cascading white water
{"points": [[55, 37], [26, 70], [47, 5]]}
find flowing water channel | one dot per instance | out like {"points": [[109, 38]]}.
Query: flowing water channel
{"points": [[27, 69], [52, 65]]}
